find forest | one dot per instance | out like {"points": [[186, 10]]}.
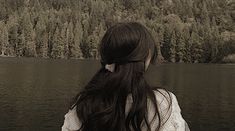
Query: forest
{"points": [[189, 31]]}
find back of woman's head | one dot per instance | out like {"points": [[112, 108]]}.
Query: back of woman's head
{"points": [[101, 105], [127, 43]]}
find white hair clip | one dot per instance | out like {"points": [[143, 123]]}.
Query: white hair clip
{"points": [[110, 67]]}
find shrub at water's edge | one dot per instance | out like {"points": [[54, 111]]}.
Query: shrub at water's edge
{"points": [[229, 59]]}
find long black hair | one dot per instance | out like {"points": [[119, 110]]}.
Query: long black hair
{"points": [[101, 105]]}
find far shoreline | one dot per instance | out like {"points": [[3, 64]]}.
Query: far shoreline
{"points": [[230, 59]]}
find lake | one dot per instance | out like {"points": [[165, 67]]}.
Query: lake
{"points": [[35, 93]]}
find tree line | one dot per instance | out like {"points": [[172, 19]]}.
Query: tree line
{"points": [[184, 30]]}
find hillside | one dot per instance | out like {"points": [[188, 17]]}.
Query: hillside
{"points": [[185, 30]]}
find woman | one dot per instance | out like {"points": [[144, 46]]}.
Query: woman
{"points": [[118, 98]]}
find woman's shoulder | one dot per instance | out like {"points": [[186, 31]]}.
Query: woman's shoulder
{"points": [[164, 97], [71, 121], [170, 110], [166, 100]]}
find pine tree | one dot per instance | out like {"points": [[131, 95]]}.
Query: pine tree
{"points": [[173, 48], [12, 34], [166, 42], [4, 39], [58, 46], [30, 46], [180, 48], [207, 45], [3, 10], [20, 44], [37, 6], [51, 27], [12, 38], [96, 15], [215, 43], [85, 44], [65, 39], [75, 47], [70, 37], [160, 44], [85, 26], [92, 44], [101, 32], [44, 46], [186, 39], [41, 38], [157, 32], [196, 48], [205, 15], [189, 8]]}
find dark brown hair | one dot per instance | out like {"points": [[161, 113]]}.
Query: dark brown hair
{"points": [[101, 104]]}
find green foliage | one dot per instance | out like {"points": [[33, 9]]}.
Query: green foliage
{"points": [[180, 48], [41, 38], [4, 39], [20, 44], [29, 34], [58, 45], [166, 45], [184, 30], [75, 48], [12, 39], [196, 48], [173, 47]]}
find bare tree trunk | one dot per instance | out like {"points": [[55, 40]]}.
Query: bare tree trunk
{"points": [[160, 58]]}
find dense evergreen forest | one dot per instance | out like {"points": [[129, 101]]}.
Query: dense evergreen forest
{"points": [[185, 30]]}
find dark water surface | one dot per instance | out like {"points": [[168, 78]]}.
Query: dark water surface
{"points": [[34, 93]]}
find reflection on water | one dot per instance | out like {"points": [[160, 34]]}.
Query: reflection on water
{"points": [[34, 93]]}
